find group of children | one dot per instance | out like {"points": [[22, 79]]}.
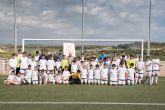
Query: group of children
{"points": [[124, 70]]}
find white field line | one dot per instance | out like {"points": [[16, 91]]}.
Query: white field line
{"points": [[83, 103]]}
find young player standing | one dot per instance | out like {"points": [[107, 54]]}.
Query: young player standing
{"points": [[149, 75], [156, 67], [24, 63], [65, 76], [84, 74], [90, 74], [140, 67], [131, 73], [97, 75], [12, 63], [122, 74], [113, 75], [104, 75]]}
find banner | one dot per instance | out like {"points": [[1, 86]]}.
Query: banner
{"points": [[69, 48]]}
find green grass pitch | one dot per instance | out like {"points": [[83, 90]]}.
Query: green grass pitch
{"points": [[82, 93]]}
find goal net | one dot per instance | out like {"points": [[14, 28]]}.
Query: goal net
{"points": [[86, 46]]}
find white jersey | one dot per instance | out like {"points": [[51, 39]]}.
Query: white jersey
{"points": [[36, 58], [59, 78], [10, 77], [121, 73], [13, 63], [17, 79], [97, 73], [35, 75], [42, 64], [66, 75], [156, 63], [74, 68], [113, 75], [33, 64], [84, 73], [140, 66], [104, 73], [28, 73], [29, 61], [114, 62], [86, 63], [58, 64], [118, 62], [131, 73], [90, 73], [149, 66], [51, 77], [94, 63], [24, 63], [51, 64]]}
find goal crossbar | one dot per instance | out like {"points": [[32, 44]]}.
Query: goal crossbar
{"points": [[88, 40]]}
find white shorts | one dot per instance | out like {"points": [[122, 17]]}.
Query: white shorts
{"points": [[148, 73], [65, 81], [139, 75], [29, 80], [35, 82], [90, 81], [83, 80], [104, 81], [113, 82], [97, 81], [130, 81], [156, 72], [121, 81]]}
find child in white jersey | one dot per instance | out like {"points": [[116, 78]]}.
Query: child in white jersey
{"points": [[156, 66], [12, 63], [65, 76], [113, 75], [59, 77], [42, 77], [33, 63], [10, 78], [57, 66], [131, 75], [122, 74], [104, 74], [35, 76], [50, 64], [90, 74], [23, 64], [140, 68], [17, 79], [42, 63], [51, 77], [74, 67], [28, 75], [84, 74], [149, 75], [97, 75]]}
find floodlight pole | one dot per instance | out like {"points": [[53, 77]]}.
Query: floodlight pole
{"points": [[15, 33], [149, 34], [82, 34]]}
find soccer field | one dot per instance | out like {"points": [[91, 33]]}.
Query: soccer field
{"points": [[88, 97]]}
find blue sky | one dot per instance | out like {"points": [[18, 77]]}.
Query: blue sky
{"points": [[102, 19]]}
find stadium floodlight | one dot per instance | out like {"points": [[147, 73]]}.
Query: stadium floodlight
{"points": [[87, 40]]}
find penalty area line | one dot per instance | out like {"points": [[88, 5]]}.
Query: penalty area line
{"points": [[84, 103]]}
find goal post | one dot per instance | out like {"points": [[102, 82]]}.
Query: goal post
{"points": [[87, 40]]}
